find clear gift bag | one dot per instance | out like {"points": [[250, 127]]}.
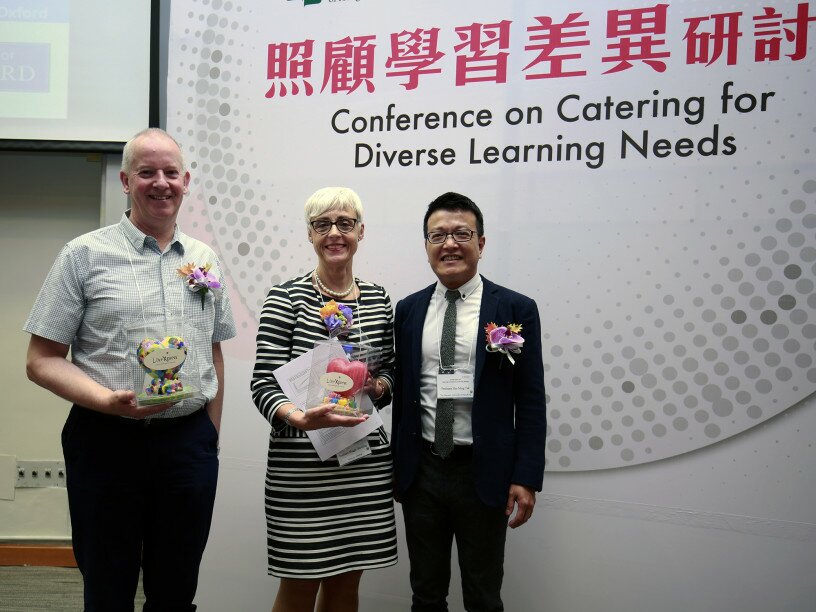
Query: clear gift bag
{"points": [[164, 362], [338, 375]]}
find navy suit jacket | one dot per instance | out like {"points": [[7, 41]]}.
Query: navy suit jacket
{"points": [[509, 413]]}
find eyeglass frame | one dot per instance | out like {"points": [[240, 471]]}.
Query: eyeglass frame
{"points": [[334, 224], [451, 234]]}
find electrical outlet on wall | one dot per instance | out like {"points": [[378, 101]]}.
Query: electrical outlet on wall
{"points": [[34, 473]]}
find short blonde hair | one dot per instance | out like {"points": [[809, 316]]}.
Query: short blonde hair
{"points": [[332, 198]]}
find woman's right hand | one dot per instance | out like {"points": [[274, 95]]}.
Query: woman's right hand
{"points": [[322, 416]]}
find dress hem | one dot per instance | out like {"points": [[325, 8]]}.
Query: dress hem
{"points": [[302, 576]]}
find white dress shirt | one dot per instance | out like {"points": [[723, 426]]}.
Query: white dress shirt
{"points": [[467, 340]]}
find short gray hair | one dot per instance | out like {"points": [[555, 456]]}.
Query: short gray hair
{"points": [[127, 152], [332, 198]]}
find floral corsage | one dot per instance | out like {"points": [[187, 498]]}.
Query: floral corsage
{"points": [[504, 339], [199, 278], [336, 317]]}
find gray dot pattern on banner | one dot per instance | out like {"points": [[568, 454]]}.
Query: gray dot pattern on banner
{"points": [[730, 382], [238, 216]]}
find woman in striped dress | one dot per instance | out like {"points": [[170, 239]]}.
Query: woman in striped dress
{"points": [[325, 523]]}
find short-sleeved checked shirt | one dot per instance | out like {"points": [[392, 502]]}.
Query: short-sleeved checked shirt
{"points": [[92, 295]]}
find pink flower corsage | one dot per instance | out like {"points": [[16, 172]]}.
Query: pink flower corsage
{"points": [[504, 339], [199, 278]]}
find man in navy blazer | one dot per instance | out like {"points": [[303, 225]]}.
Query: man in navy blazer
{"points": [[499, 422]]}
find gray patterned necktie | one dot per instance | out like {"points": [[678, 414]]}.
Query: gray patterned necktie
{"points": [[443, 430]]}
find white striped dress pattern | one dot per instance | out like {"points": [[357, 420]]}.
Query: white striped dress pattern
{"points": [[322, 519]]}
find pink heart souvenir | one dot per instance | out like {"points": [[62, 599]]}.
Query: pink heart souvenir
{"points": [[357, 371]]}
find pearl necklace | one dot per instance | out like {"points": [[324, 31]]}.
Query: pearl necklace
{"points": [[327, 291]]}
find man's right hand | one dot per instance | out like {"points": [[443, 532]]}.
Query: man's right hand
{"points": [[123, 403]]}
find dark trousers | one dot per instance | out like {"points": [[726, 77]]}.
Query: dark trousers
{"points": [[442, 504], [140, 496]]}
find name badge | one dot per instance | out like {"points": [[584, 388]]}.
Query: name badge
{"points": [[455, 384], [358, 450]]}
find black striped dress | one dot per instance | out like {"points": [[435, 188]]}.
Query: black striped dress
{"points": [[322, 519]]}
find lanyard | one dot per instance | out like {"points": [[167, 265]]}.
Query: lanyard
{"points": [[128, 247]]}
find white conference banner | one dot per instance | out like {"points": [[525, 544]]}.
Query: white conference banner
{"points": [[646, 172]]}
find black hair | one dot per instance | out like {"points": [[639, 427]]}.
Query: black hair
{"points": [[453, 201]]}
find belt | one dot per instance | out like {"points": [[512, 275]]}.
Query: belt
{"points": [[154, 422], [459, 450], [151, 422]]}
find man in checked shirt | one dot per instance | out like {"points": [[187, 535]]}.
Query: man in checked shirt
{"points": [[141, 479]]}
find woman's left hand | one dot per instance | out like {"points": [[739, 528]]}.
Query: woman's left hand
{"points": [[323, 416]]}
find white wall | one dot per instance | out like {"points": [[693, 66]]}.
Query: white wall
{"points": [[46, 200]]}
